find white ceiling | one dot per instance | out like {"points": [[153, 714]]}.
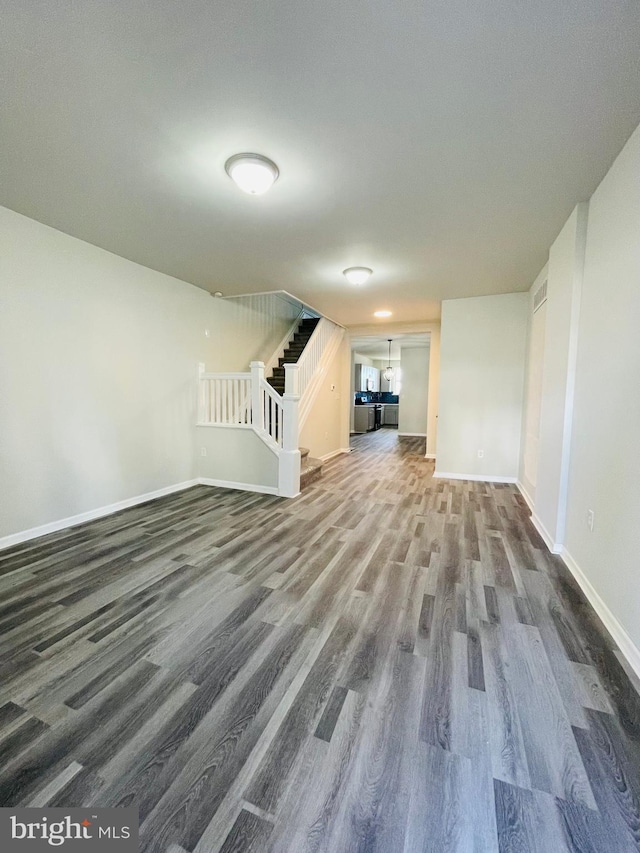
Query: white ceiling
{"points": [[374, 346], [442, 143]]}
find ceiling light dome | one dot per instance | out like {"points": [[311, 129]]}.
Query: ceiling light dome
{"points": [[357, 275], [253, 173]]}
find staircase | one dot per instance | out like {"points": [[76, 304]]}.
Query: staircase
{"points": [[310, 468], [292, 352], [274, 407]]}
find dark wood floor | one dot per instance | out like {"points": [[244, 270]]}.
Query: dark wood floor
{"points": [[386, 663]]}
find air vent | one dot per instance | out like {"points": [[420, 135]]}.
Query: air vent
{"points": [[540, 296]]}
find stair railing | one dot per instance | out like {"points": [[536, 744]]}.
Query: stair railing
{"points": [[225, 399], [247, 400], [275, 419], [311, 355]]}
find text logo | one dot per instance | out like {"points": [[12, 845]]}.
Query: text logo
{"points": [[86, 830]]}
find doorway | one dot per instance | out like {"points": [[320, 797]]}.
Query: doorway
{"points": [[389, 385]]}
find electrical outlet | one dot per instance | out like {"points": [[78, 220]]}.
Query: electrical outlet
{"points": [[591, 518], [480, 454], [203, 451]]}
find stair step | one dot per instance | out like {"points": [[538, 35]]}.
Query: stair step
{"points": [[310, 471], [304, 452], [293, 352]]}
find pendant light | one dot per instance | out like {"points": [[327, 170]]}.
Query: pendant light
{"points": [[388, 373]]}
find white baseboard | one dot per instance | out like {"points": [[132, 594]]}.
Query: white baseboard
{"points": [[619, 634], [525, 494], [243, 487], [91, 515], [334, 453], [413, 434], [478, 478], [429, 455], [554, 547]]}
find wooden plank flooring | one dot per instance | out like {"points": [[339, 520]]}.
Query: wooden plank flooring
{"points": [[386, 663]]}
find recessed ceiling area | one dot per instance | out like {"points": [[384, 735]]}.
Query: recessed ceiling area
{"points": [[377, 346], [443, 145]]}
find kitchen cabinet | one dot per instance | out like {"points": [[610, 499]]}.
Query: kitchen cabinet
{"points": [[366, 378], [363, 418], [390, 415]]}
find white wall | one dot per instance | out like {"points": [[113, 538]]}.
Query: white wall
{"points": [[564, 283], [414, 393], [528, 473], [434, 391], [248, 328], [482, 361], [235, 455], [326, 430], [358, 358], [604, 473], [98, 366]]}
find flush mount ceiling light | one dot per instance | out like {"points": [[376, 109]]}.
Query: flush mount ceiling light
{"points": [[357, 275], [382, 313], [388, 373], [253, 173]]}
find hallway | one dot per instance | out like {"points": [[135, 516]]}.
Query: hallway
{"points": [[387, 662]]}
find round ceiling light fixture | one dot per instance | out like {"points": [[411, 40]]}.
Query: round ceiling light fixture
{"points": [[382, 313], [253, 173], [357, 275]]}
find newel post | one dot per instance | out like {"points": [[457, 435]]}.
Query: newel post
{"points": [[289, 457], [290, 401], [257, 414]]}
